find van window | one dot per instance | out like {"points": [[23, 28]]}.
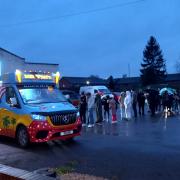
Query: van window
{"points": [[41, 95], [10, 93], [104, 91]]}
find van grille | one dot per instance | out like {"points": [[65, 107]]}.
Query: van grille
{"points": [[63, 119]]}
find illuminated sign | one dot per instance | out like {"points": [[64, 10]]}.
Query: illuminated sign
{"points": [[38, 76]]}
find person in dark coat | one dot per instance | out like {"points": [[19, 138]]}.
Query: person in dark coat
{"points": [[152, 101], [134, 103], [165, 100], [83, 108], [105, 103], [98, 107], [158, 102], [141, 102]]}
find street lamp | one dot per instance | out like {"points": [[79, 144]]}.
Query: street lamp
{"points": [[87, 82]]}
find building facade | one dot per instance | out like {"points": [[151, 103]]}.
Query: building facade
{"points": [[121, 84], [74, 83], [9, 62]]}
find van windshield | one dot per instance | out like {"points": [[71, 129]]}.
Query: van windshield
{"points": [[104, 91], [41, 95]]}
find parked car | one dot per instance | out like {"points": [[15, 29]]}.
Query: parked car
{"points": [[102, 90], [72, 96], [116, 95]]}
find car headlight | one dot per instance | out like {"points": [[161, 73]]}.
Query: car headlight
{"points": [[38, 117]]}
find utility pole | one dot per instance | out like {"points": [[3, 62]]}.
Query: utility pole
{"points": [[129, 70]]}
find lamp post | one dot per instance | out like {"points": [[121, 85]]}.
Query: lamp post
{"points": [[87, 82]]}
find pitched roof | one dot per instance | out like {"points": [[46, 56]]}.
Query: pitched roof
{"points": [[41, 63], [129, 80], [83, 80], [11, 53]]}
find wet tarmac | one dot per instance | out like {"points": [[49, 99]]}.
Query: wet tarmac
{"points": [[143, 148]]}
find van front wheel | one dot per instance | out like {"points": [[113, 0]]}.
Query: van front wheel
{"points": [[22, 136]]}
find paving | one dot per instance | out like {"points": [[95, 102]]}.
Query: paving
{"points": [[143, 148]]}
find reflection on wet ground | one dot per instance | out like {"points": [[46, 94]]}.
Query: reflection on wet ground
{"points": [[135, 126]]}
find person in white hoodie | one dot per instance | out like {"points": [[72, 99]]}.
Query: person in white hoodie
{"points": [[90, 102], [128, 105]]}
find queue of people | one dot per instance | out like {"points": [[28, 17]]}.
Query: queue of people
{"points": [[130, 103]]}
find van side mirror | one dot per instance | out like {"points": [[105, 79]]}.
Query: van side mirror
{"points": [[13, 102], [67, 96]]}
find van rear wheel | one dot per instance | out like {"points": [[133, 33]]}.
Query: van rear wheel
{"points": [[22, 137]]}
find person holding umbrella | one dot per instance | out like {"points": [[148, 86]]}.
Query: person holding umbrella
{"points": [[167, 98]]}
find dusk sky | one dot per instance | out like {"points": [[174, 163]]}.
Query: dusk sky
{"points": [[101, 42]]}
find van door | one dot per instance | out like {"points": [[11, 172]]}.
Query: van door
{"points": [[9, 113]]}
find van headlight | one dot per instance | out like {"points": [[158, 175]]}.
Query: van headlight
{"points": [[38, 117]]}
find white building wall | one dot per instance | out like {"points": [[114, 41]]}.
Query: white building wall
{"points": [[41, 67], [9, 62]]}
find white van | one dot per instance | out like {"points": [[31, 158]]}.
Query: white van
{"points": [[102, 90]]}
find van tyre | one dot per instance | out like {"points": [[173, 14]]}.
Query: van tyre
{"points": [[22, 137]]}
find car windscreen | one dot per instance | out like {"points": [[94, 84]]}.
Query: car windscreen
{"points": [[104, 91], [41, 95]]}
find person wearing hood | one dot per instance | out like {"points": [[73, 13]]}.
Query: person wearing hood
{"points": [[90, 105], [128, 105], [112, 104], [152, 101], [98, 107], [134, 102], [83, 108], [121, 103], [105, 103]]}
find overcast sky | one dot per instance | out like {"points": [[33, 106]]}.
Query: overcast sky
{"points": [[99, 43]]}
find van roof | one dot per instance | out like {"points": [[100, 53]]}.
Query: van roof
{"points": [[98, 87]]}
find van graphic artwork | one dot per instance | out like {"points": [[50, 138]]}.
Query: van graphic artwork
{"points": [[32, 109]]}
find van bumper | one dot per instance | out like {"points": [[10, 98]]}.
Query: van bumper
{"points": [[44, 132]]}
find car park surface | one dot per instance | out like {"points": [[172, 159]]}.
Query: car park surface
{"points": [[145, 148]]}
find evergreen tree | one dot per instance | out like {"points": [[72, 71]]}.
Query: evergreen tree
{"points": [[153, 68], [111, 83]]}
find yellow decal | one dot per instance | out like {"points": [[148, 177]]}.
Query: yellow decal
{"points": [[18, 75]]}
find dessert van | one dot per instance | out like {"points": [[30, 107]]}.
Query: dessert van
{"points": [[32, 109]]}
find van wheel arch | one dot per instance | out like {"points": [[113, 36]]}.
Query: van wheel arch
{"points": [[22, 133]]}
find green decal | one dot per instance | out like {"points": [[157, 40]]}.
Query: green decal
{"points": [[6, 122], [13, 121]]}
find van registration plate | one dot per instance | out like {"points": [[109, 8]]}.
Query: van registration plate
{"points": [[66, 133]]}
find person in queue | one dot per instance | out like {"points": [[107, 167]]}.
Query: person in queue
{"points": [[98, 108], [83, 108], [134, 102], [90, 107], [141, 102], [105, 103], [121, 104], [112, 104], [128, 105]]}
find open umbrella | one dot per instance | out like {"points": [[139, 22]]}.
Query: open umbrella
{"points": [[168, 90]]}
